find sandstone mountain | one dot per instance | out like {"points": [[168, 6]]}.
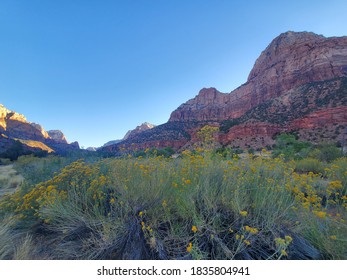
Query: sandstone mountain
{"points": [[298, 84], [109, 143], [140, 128], [15, 127], [130, 134]]}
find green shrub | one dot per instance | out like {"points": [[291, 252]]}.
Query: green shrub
{"points": [[326, 152], [309, 165], [291, 148]]}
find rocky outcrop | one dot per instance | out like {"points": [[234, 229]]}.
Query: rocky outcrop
{"points": [[173, 134], [14, 126], [317, 112], [3, 114], [57, 136], [139, 129], [42, 131], [130, 134], [298, 83]]}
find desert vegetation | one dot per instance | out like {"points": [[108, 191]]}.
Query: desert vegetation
{"points": [[207, 203]]}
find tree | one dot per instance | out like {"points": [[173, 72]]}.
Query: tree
{"points": [[207, 136]]}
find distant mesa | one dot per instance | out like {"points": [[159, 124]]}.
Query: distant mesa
{"points": [[298, 84], [14, 127]]}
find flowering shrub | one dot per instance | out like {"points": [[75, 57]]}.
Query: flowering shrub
{"points": [[196, 206]]}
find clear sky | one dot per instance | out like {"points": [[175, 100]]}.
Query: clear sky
{"points": [[95, 69]]}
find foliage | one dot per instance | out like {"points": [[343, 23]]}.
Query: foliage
{"points": [[228, 153], [198, 206], [290, 147], [166, 152], [309, 165], [207, 136], [326, 152]]}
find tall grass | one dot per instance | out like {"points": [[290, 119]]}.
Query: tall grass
{"points": [[13, 243], [197, 206], [10, 180]]}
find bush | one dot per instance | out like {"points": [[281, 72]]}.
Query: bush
{"points": [[291, 148], [309, 165], [326, 152]]}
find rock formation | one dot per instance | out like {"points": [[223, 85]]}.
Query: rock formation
{"points": [[57, 136], [14, 126], [131, 133], [298, 83], [140, 128], [291, 60]]}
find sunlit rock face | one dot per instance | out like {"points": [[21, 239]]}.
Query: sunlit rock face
{"points": [[298, 83], [57, 136], [14, 126], [3, 114]]}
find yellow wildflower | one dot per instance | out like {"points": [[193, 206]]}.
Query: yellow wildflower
{"points": [[140, 213], [247, 242], [112, 200], [194, 229], [280, 242], [149, 229], [190, 246], [335, 184], [243, 213], [332, 237], [288, 239], [50, 188], [164, 203], [320, 214], [284, 253], [251, 230]]}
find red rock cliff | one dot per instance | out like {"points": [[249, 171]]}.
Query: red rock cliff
{"points": [[291, 60]]}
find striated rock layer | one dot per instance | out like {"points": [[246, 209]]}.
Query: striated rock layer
{"points": [[298, 83]]}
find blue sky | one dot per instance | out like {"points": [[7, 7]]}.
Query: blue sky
{"points": [[95, 69]]}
